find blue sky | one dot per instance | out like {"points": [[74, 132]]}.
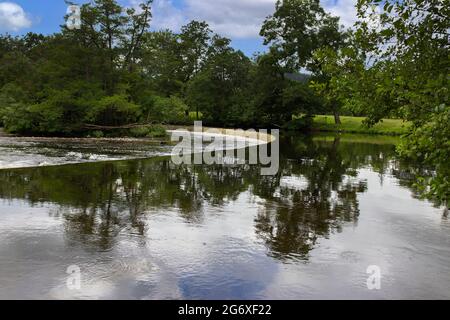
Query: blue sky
{"points": [[238, 19]]}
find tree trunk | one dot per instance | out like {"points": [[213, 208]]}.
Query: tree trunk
{"points": [[337, 118]]}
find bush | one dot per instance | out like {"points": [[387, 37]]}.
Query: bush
{"points": [[140, 132], [300, 124], [163, 109], [98, 134], [170, 110], [11, 97], [155, 131], [60, 113], [114, 111]]}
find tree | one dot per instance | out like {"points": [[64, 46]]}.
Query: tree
{"points": [[113, 35], [216, 89], [138, 23], [162, 62], [338, 78], [267, 85], [113, 111], [406, 43], [194, 41], [297, 28]]}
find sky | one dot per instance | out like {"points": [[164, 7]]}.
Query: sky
{"points": [[239, 20]]}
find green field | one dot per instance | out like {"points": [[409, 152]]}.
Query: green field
{"points": [[355, 125], [358, 138], [193, 115], [392, 127]]}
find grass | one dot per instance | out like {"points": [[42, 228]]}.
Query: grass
{"points": [[392, 127], [193, 115], [355, 125], [358, 138]]}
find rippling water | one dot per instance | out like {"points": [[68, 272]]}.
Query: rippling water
{"points": [[146, 229], [36, 152]]}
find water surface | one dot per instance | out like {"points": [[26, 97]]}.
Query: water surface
{"points": [[146, 229]]}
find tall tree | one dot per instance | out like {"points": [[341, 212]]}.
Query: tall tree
{"points": [[297, 28], [217, 88], [194, 39], [406, 42], [138, 24], [162, 62]]}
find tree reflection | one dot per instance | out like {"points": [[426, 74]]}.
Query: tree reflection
{"points": [[314, 194], [319, 197]]}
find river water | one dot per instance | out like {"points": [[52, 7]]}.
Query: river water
{"points": [[147, 229]]}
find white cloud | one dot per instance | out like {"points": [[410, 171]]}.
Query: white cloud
{"points": [[167, 16], [345, 9], [233, 18], [13, 17]]}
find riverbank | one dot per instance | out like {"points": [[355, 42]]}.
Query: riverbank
{"points": [[26, 152], [159, 140], [392, 127], [3, 133], [325, 123], [321, 123], [357, 138]]}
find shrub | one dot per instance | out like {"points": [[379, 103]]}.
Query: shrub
{"points": [[157, 131], [303, 123], [60, 113], [169, 110], [98, 134], [140, 132], [154, 131], [113, 111]]}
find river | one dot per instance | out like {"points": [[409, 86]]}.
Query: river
{"points": [[142, 228]]}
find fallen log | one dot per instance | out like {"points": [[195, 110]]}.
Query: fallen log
{"points": [[127, 126]]}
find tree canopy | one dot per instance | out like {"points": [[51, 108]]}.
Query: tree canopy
{"points": [[115, 72]]}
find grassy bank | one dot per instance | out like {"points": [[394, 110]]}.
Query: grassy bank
{"points": [[392, 127], [355, 125], [358, 138]]}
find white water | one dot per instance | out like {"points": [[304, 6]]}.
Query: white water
{"points": [[37, 152], [18, 152]]}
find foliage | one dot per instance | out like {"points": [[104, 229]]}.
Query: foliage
{"points": [[358, 125], [429, 144], [218, 89], [172, 109], [115, 71], [409, 48], [113, 111], [297, 28], [154, 131]]}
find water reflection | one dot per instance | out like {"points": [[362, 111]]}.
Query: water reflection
{"points": [[313, 196], [147, 229]]}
